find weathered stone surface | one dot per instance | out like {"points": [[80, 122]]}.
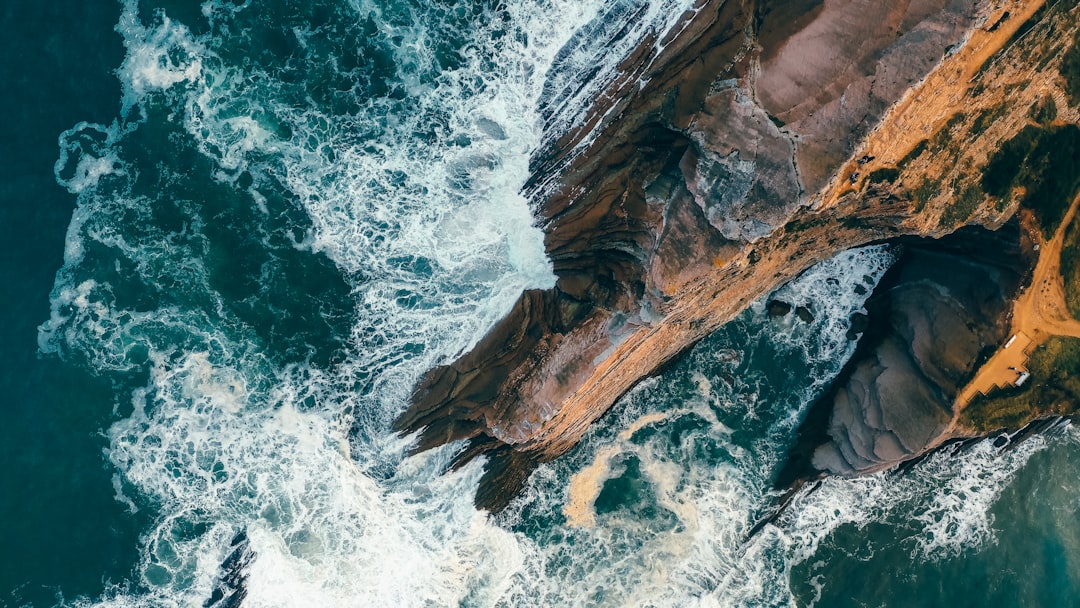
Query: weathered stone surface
{"points": [[690, 200], [832, 80]]}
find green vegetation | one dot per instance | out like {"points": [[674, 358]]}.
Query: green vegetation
{"points": [[1052, 390], [982, 70], [1004, 166], [987, 118], [1070, 71], [885, 174], [1070, 267], [798, 225], [963, 205], [914, 153], [941, 139], [1044, 112], [922, 195], [1046, 163]]}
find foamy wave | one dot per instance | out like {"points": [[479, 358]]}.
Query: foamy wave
{"points": [[90, 146], [938, 509], [704, 441], [157, 57], [831, 291], [215, 454]]}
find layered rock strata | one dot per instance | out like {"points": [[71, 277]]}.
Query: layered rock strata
{"points": [[761, 142]]}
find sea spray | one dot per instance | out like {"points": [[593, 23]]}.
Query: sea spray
{"points": [[681, 493]]}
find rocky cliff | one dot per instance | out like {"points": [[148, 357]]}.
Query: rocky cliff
{"points": [[756, 139]]}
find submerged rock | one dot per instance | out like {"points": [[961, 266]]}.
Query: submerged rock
{"points": [[804, 314], [857, 325], [230, 589], [776, 308]]}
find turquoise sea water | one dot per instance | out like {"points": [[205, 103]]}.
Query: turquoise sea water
{"points": [[267, 219], [60, 528]]}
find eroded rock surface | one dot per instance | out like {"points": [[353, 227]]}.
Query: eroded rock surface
{"points": [[940, 311]]}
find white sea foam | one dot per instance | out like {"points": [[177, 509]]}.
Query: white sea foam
{"points": [[695, 555], [698, 554], [831, 291], [322, 531], [157, 57], [939, 509]]}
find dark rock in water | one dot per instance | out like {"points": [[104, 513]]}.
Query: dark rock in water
{"points": [[1005, 442], [804, 314], [776, 308], [951, 447], [231, 588], [1049, 426], [942, 305], [781, 505], [859, 323]]}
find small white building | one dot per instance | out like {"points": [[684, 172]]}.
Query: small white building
{"points": [[1022, 378]]}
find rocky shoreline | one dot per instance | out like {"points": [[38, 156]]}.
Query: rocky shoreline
{"points": [[765, 138]]}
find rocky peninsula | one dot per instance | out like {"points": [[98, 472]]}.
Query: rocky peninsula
{"points": [[752, 141]]}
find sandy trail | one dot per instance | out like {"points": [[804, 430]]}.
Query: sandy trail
{"points": [[1038, 314]]}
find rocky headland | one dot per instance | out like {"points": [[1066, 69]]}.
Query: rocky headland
{"points": [[755, 140]]}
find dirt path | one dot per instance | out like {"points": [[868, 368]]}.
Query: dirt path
{"points": [[1038, 314]]}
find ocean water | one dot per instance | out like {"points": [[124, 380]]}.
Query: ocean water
{"points": [[239, 231]]}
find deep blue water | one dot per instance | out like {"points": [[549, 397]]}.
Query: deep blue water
{"points": [[268, 218], [61, 530]]}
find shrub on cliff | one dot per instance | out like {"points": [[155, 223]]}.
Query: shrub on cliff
{"points": [[1046, 164], [1070, 71]]}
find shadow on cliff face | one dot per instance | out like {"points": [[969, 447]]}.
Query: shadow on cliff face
{"points": [[936, 315]]}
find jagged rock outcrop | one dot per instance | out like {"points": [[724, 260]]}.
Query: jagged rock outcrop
{"points": [[755, 148], [230, 589]]}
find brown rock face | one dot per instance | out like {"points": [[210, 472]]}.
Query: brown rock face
{"points": [[832, 80], [678, 202]]}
